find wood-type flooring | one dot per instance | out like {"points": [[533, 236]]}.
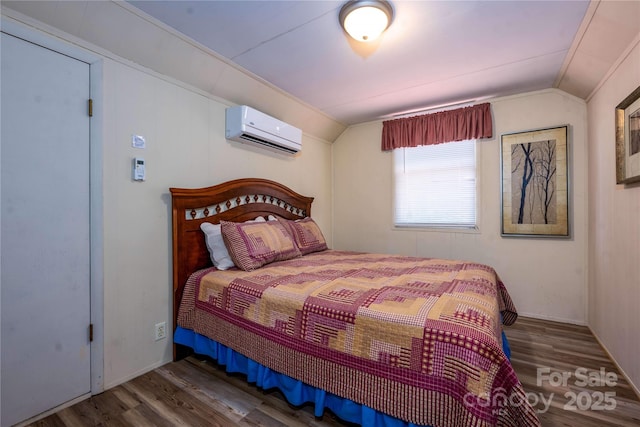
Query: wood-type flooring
{"points": [[565, 373]]}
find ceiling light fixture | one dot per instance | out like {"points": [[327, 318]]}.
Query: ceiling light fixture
{"points": [[366, 20]]}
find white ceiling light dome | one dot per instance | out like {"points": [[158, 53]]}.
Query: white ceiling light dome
{"points": [[366, 20]]}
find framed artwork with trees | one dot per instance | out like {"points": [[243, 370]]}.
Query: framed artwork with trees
{"points": [[535, 183]]}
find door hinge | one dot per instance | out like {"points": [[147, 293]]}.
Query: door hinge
{"points": [[90, 107], [90, 332]]}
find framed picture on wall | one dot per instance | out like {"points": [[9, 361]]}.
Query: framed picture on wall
{"points": [[535, 183], [628, 139]]}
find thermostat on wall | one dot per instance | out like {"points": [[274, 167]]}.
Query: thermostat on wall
{"points": [[139, 169]]}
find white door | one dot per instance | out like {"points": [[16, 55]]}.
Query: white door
{"points": [[44, 252]]}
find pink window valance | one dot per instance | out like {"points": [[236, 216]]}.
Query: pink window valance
{"points": [[445, 126]]}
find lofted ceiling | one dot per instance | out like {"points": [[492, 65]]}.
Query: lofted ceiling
{"points": [[434, 53], [292, 59]]}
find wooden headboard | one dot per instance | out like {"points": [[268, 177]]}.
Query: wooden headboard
{"points": [[238, 200]]}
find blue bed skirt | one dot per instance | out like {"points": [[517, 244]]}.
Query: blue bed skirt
{"points": [[296, 392]]}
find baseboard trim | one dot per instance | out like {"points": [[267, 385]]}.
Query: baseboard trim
{"points": [[53, 410], [88, 395], [615, 362], [136, 374], [553, 319]]}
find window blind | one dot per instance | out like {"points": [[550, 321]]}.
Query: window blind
{"points": [[435, 185]]}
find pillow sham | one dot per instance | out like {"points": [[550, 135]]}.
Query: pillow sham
{"points": [[218, 252], [306, 234], [252, 245]]}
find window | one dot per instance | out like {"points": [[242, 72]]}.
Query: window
{"points": [[435, 185]]}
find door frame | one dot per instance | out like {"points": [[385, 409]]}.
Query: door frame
{"points": [[21, 30]]}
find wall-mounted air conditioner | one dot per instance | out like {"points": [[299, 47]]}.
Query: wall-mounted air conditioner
{"points": [[247, 125]]}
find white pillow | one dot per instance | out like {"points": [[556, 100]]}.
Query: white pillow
{"points": [[217, 250]]}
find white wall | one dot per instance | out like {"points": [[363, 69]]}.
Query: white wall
{"points": [[186, 147], [184, 130], [547, 278], [117, 28], [614, 226], [183, 127]]}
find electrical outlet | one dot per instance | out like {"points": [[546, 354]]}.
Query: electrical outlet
{"points": [[161, 330]]}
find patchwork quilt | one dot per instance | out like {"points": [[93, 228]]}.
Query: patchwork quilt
{"points": [[415, 338]]}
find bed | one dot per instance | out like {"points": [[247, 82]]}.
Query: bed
{"points": [[380, 340]]}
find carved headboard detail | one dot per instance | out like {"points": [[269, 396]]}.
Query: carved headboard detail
{"points": [[238, 200]]}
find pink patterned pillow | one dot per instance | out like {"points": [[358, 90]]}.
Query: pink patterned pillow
{"points": [[306, 234], [252, 245]]}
